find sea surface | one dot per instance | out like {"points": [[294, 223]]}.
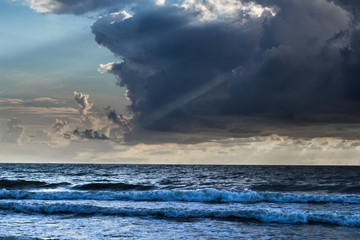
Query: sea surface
{"points": [[66, 201]]}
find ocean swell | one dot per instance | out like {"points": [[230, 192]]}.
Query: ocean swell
{"points": [[112, 186], [26, 184], [203, 195], [262, 215]]}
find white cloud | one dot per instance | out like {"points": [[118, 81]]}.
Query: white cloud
{"points": [[17, 101], [11, 101], [103, 127], [50, 100], [60, 126], [18, 135], [44, 6], [210, 10], [103, 68], [41, 110], [160, 2], [82, 100], [15, 132], [119, 16]]}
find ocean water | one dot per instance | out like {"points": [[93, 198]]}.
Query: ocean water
{"points": [[63, 201]]}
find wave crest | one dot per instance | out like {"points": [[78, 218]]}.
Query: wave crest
{"points": [[262, 215], [203, 195]]}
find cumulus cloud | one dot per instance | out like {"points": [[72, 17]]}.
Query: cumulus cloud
{"points": [[90, 134], [160, 2], [82, 100], [224, 10], [168, 53], [18, 134], [108, 67], [125, 122], [353, 7], [95, 127], [15, 132], [290, 61], [237, 67], [60, 126], [111, 126]]}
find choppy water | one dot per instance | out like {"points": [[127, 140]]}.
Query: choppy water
{"points": [[59, 201]]}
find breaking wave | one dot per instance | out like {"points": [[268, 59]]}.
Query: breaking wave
{"points": [[203, 195], [262, 215]]}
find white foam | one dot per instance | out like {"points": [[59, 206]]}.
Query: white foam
{"points": [[203, 195], [267, 215]]}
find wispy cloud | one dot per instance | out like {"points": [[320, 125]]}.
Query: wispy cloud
{"points": [[11, 101], [50, 100], [17, 101], [46, 111]]}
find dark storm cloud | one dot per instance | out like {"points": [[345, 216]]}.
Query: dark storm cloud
{"points": [[118, 119], [352, 6], [169, 58], [300, 66], [243, 67], [298, 69]]}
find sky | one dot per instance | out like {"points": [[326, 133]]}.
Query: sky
{"points": [[180, 81]]}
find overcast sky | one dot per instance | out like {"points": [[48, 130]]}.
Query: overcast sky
{"points": [[180, 81]]}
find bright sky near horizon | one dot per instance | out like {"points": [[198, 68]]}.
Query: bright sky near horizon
{"points": [[180, 82]]}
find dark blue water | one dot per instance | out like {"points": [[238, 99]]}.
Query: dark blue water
{"points": [[62, 201]]}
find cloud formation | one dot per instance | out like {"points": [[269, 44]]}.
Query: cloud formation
{"points": [[60, 126], [171, 51], [17, 101], [108, 67], [239, 67], [90, 134], [15, 132], [45, 111], [291, 61], [91, 126], [18, 134], [264, 150], [82, 100]]}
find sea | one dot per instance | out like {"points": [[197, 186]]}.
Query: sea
{"points": [[69, 201]]}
